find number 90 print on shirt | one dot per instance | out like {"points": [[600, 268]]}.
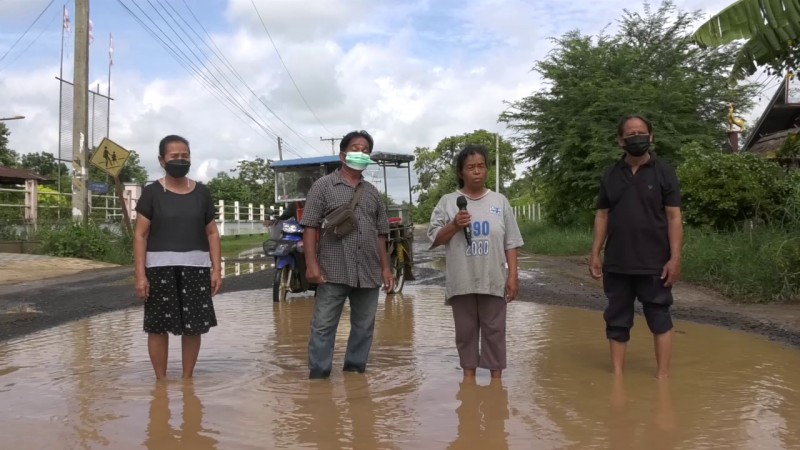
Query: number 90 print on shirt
{"points": [[479, 247]]}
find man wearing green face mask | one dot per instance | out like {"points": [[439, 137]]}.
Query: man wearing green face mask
{"points": [[639, 221], [350, 267]]}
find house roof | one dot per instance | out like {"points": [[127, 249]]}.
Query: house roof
{"points": [[769, 145], [12, 175], [777, 117]]}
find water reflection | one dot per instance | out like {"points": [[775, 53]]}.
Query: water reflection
{"points": [[245, 266], [88, 384], [482, 414], [190, 433]]}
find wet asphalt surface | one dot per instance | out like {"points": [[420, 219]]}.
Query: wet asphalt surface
{"points": [[39, 305]]}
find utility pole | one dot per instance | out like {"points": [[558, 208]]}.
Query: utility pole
{"points": [[497, 161], [80, 124], [280, 149], [333, 141]]}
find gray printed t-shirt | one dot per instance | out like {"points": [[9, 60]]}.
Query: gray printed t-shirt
{"points": [[479, 269]]}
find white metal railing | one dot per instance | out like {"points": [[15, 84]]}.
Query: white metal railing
{"points": [[29, 207], [33, 205], [240, 267], [235, 219], [531, 212]]}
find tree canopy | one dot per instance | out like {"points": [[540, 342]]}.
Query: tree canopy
{"points": [[8, 157], [254, 183], [435, 168], [650, 66]]}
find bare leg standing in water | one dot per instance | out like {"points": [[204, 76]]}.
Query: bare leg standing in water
{"points": [[190, 349], [158, 348]]}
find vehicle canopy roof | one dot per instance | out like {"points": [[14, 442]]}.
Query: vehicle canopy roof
{"points": [[382, 158]]}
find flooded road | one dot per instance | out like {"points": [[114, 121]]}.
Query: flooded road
{"points": [[89, 384]]}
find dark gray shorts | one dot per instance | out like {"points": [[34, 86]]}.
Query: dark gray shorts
{"points": [[622, 290]]}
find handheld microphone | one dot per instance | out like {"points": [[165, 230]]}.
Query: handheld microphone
{"points": [[461, 202]]}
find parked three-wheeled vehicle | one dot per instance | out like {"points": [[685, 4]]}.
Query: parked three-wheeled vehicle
{"points": [[292, 180]]}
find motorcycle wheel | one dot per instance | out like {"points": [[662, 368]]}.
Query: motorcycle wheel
{"points": [[280, 285]]}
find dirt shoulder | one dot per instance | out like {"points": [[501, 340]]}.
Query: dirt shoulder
{"points": [[565, 281], [54, 300]]}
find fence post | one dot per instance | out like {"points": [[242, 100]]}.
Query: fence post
{"points": [[221, 218], [31, 202], [262, 213], [250, 218]]}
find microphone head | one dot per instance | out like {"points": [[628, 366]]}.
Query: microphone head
{"points": [[461, 202]]}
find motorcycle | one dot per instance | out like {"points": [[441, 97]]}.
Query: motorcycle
{"points": [[286, 246]]}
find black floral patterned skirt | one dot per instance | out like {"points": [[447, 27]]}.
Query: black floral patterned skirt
{"points": [[179, 301]]}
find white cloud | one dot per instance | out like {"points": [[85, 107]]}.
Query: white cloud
{"points": [[410, 72]]}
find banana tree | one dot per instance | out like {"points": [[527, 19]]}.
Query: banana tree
{"points": [[770, 27]]}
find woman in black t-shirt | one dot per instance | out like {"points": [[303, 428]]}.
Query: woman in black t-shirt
{"points": [[177, 258]]}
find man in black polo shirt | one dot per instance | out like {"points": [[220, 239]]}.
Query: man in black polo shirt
{"points": [[639, 220]]}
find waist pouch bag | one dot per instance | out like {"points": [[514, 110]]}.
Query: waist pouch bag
{"points": [[342, 221]]}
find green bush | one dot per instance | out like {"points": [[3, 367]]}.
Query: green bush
{"points": [[758, 265], [725, 191], [90, 241]]}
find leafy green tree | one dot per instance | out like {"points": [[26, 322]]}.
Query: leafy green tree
{"points": [[651, 66], [254, 183], [435, 168], [8, 157], [771, 28], [524, 190], [722, 191], [224, 187], [43, 163]]}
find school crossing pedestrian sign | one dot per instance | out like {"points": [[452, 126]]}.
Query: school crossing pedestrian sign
{"points": [[110, 157]]}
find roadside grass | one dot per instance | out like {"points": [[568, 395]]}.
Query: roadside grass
{"points": [[546, 239], [761, 265], [755, 266], [233, 245]]}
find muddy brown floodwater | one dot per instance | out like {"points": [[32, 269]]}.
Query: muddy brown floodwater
{"points": [[88, 384]]}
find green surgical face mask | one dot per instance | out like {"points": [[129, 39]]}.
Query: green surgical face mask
{"points": [[358, 160]]}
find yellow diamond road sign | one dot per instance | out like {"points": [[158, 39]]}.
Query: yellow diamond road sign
{"points": [[110, 157]]}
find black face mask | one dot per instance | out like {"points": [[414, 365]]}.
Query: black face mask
{"points": [[177, 168], [637, 145]]}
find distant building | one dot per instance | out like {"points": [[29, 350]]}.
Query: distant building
{"points": [[776, 135]]}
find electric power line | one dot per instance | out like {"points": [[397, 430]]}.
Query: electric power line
{"points": [[185, 61], [286, 68], [201, 70], [36, 39], [26, 30], [236, 73], [241, 96]]}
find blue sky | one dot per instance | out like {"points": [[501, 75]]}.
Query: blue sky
{"points": [[411, 72]]}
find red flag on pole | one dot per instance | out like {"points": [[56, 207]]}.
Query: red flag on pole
{"points": [[66, 19]]}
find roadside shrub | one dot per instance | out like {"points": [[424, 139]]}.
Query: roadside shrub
{"points": [[723, 190], [90, 241]]}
